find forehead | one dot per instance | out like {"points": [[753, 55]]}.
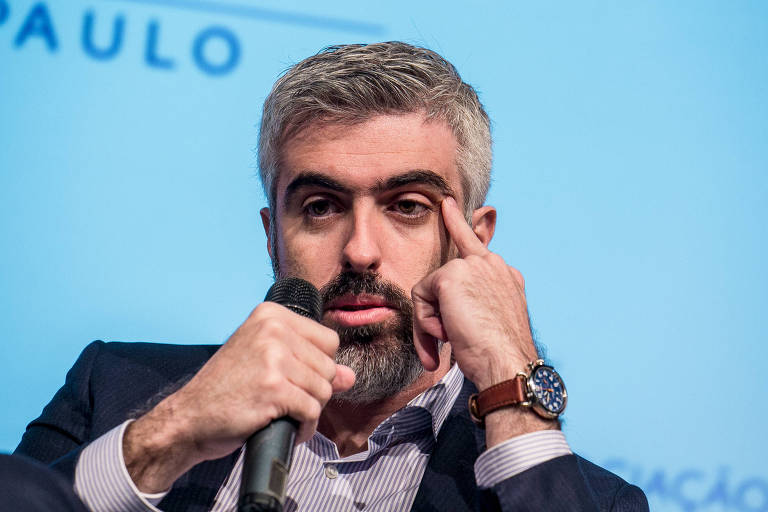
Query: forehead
{"points": [[361, 154]]}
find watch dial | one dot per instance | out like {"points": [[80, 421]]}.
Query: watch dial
{"points": [[549, 389]]}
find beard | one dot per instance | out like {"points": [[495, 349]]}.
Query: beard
{"points": [[382, 355]]}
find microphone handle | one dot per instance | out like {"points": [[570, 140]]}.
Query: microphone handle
{"points": [[270, 447], [268, 452]]}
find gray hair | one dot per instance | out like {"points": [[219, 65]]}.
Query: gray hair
{"points": [[350, 83]]}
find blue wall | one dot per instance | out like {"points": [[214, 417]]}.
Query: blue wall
{"points": [[631, 153]]}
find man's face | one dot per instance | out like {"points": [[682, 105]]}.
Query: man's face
{"points": [[358, 216]]}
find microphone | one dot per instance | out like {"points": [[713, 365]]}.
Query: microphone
{"points": [[268, 452]]}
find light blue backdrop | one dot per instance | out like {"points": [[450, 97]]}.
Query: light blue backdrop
{"points": [[630, 172]]}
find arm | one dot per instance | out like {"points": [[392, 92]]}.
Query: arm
{"points": [[569, 483], [58, 435], [276, 364], [477, 303], [537, 471], [223, 394], [65, 437]]}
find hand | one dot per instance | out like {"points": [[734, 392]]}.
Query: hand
{"points": [[475, 302], [276, 364]]}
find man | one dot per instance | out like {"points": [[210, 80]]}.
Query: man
{"points": [[376, 162]]}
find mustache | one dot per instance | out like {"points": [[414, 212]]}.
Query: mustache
{"points": [[356, 283]]}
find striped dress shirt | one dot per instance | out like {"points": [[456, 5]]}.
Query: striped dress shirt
{"points": [[384, 477]]}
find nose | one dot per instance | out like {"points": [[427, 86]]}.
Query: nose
{"points": [[362, 251]]}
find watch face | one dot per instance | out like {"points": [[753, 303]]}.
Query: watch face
{"points": [[548, 389]]}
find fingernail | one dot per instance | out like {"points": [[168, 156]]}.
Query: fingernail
{"points": [[450, 201]]}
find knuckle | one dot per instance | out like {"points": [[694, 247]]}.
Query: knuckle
{"points": [[518, 276], [262, 310], [271, 326], [273, 411], [271, 381], [324, 391], [443, 284], [333, 340], [273, 355], [327, 339], [313, 410], [257, 417], [473, 258], [329, 370], [496, 259], [254, 314]]}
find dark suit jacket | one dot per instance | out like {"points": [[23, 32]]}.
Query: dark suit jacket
{"points": [[113, 381]]}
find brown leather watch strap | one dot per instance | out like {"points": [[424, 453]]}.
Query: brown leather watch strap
{"points": [[503, 394]]}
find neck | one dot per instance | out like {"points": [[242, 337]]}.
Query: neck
{"points": [[350, 425]]}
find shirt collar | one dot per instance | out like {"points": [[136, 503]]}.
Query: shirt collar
{"points": [[426, 411], [430, 407]]}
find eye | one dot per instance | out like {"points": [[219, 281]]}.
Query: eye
{"points": [[320, 208], [410, 208]]}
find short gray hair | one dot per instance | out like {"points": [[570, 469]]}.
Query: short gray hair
{"points": [[350, 83]]}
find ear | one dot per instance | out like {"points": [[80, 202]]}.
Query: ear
{"points": [[484, 223], [265, 221]]}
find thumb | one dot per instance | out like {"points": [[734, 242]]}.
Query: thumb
{"points": [[344, 379]]}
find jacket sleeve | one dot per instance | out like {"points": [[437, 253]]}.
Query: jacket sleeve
{"points": [[61, 431], [569, 483]]}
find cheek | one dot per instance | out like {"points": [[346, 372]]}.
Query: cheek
{"points": [[417, 253], [312, 258]]}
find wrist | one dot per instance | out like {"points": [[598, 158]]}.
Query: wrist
{"points": [[504, 424], [496, 375], [530, 401], [155, 452], [502, 367]]}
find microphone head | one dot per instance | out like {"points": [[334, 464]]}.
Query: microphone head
{"points": [[298, 295]]}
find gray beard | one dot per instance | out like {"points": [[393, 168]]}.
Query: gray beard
{"points": [[384, 361], [382, 355]]}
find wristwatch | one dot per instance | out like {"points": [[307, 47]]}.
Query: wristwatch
{"points": [[540, 388]]}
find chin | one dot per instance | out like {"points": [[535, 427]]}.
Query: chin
{"points": [[384, 364]]}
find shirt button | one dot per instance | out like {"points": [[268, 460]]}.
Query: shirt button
{"points": [[331, 471]]}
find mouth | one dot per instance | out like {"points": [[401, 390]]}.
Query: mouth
{"points": [[357, 310]]}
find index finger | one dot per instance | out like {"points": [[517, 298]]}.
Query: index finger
{"points": [[324, 338], [461, 233]]}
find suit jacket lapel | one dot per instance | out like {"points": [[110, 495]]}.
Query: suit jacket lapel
{"points": [[449, 480]]}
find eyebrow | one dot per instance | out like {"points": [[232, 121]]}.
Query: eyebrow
{"points": [[312, 179], [415, 176]]}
